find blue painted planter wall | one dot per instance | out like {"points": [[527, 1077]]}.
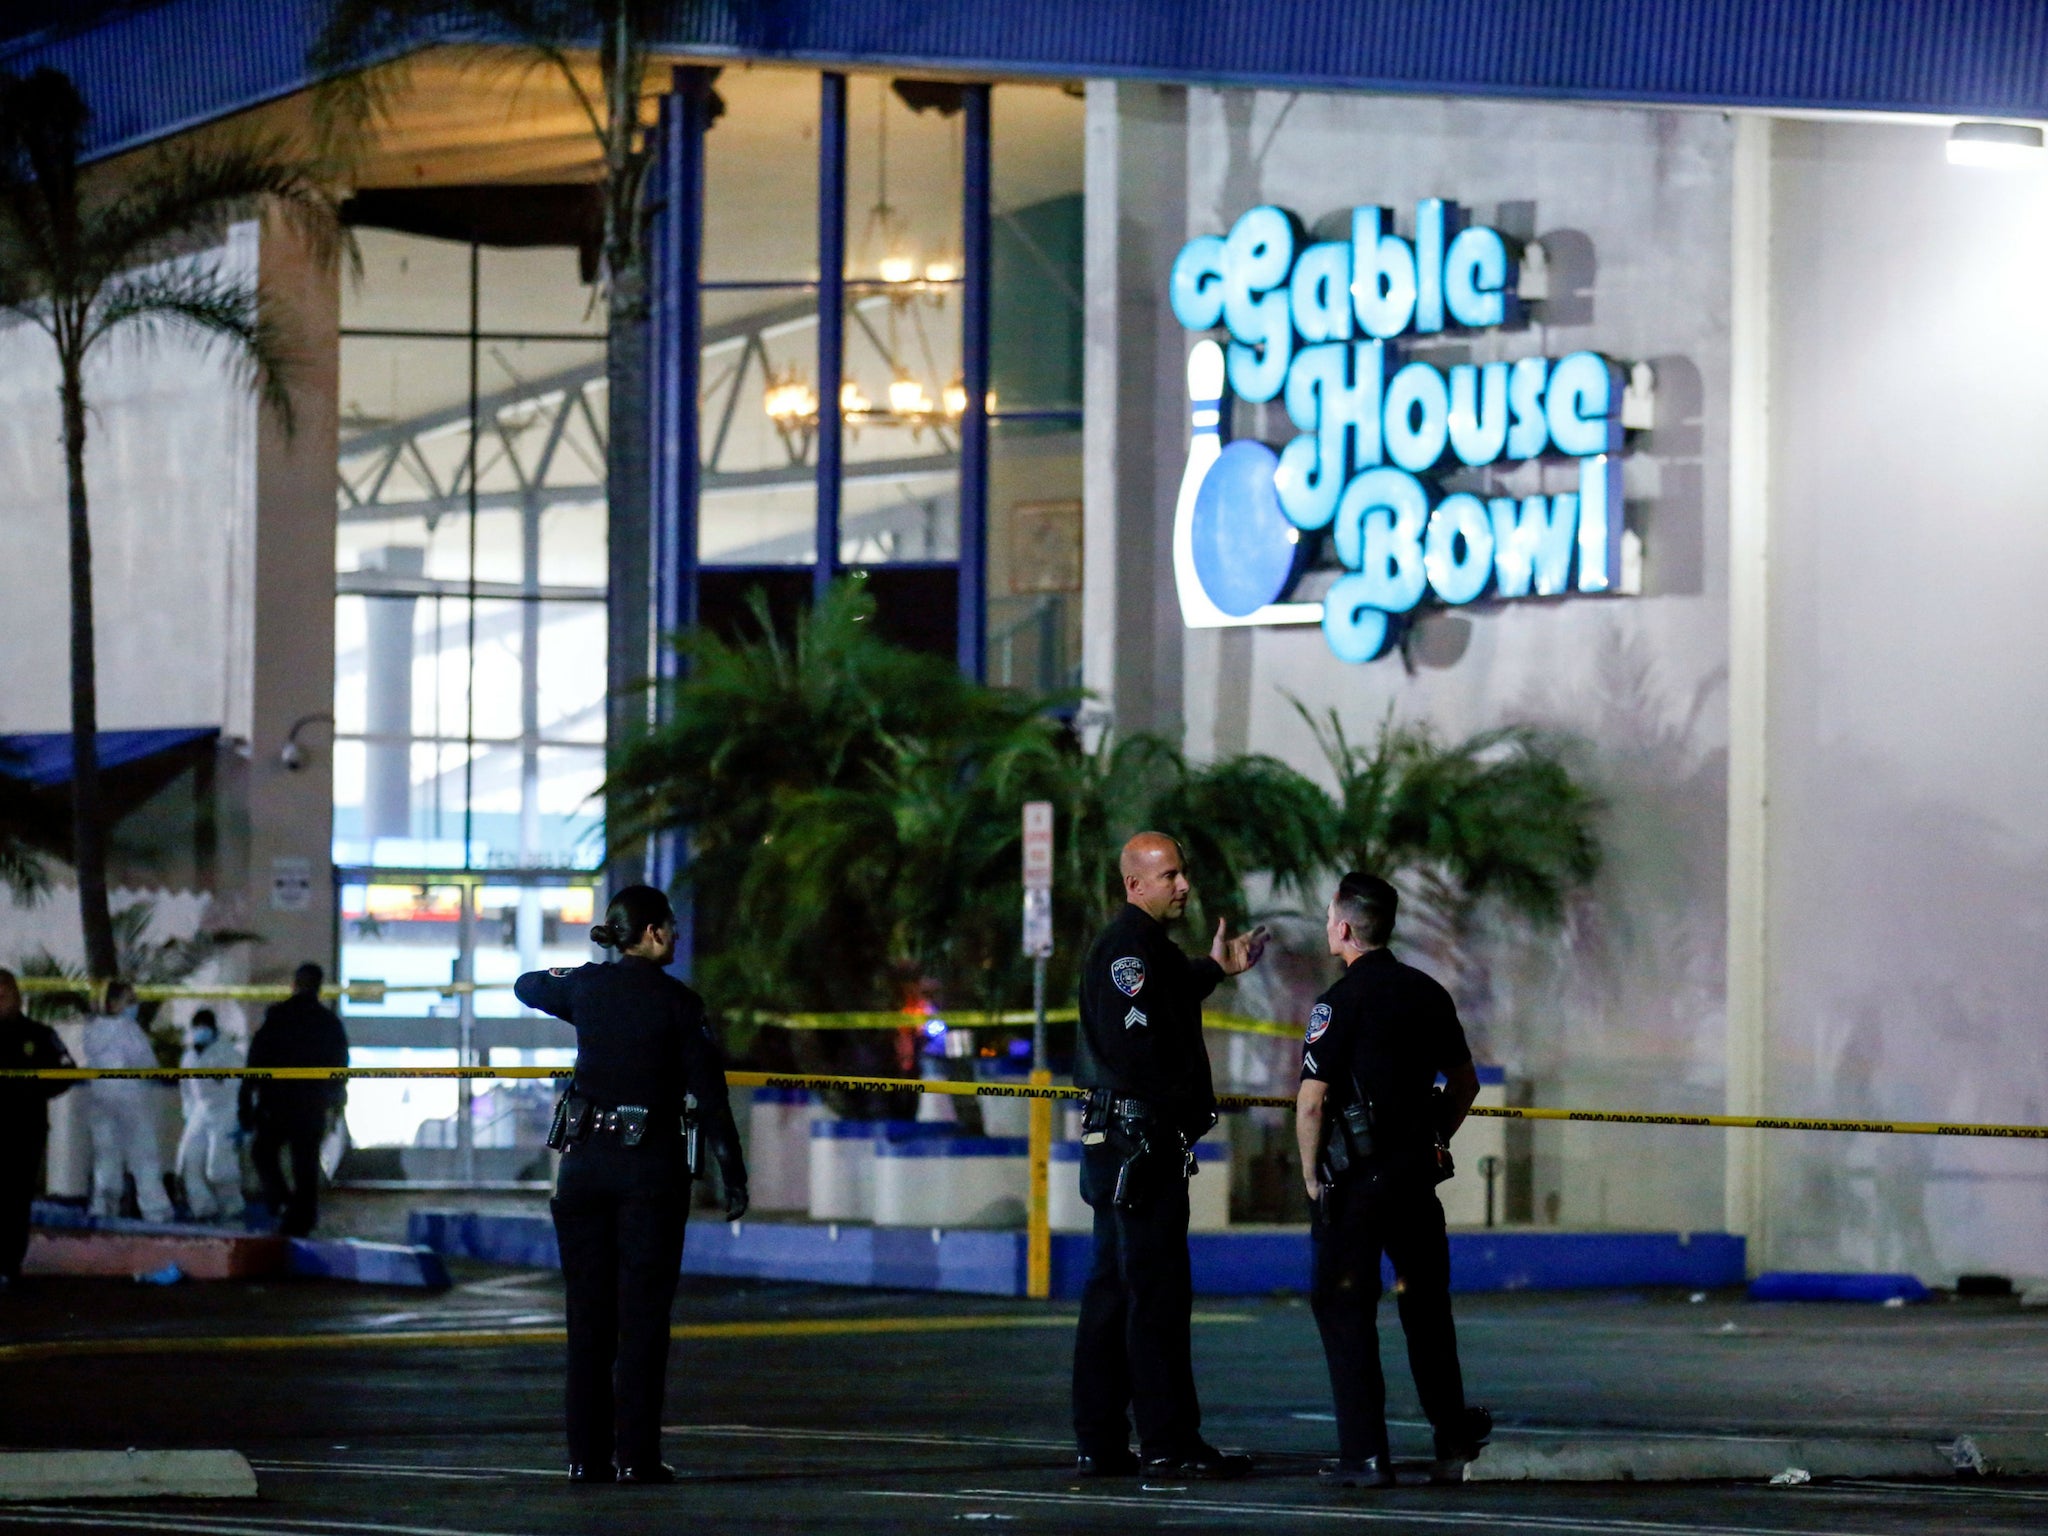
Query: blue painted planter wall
{"points": [[1246, 1262]]}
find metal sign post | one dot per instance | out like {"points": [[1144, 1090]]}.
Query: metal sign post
{"points": [[1038, 945]]}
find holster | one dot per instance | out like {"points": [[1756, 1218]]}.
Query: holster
{"points": [[1154, 1153], [571, 1124]]}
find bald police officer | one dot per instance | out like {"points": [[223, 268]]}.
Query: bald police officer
{"points": [[1373, 1133], [1140, 1053], [647, 1072]]}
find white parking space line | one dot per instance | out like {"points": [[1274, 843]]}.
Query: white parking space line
{"points": [[1487, 1519], [130, 1519], [449, 1474], [756, 1432]]}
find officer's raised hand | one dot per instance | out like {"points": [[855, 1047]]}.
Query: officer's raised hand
{"points": [[1240, 954]]}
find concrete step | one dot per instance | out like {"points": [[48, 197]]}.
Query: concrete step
{"points": [[29, 1475], [1622, 1457]]}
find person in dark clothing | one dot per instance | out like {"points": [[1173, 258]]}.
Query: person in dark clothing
{"points": [[290, 1117], [649, 1088], [1374, 1133], [25, 1046], [1140, 1053]]}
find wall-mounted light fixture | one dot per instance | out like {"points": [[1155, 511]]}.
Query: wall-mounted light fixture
{"points": [[1995, 144]]}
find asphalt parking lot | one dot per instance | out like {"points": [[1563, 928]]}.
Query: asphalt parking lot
{"points": [[813, 1409]]}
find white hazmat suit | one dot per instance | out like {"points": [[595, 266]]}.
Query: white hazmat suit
{"points": [[122, 1117], [208, 1161]]}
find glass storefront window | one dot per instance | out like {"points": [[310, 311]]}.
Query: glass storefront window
{"points": [[470, 575]]}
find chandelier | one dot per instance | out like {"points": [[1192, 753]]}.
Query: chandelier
{"points": [[908, 402]]}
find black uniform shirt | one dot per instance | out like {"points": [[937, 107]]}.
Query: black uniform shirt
{"points": [[641, 1038], [1390, 1029], [1141, 1020], [28, 1046], [301, 1031]]}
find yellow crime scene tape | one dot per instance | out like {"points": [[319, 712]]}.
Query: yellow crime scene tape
{"points": [[372, 992], [741, 1078]]}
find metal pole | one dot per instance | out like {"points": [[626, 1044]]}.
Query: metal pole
{"points": [[676, 352], [975, 240], [465, 1049], [831, 322], [1038, 1224], [1038, 1060]]}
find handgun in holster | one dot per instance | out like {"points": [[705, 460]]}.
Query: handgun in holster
{"points": [[1158, 1151]]}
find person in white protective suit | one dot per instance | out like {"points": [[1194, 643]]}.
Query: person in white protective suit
{"points": [[122, 1112], [208, 1161]]}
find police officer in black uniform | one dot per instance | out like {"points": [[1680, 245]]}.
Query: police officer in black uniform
{"points": [[1374, 1135], [1140, 1053], [25, 1046], [649, 1087]]}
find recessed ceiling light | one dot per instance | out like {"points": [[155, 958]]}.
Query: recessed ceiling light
{"points": [[2008, 144]]}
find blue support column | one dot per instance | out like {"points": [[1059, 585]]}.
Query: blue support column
{"points": [[831, 320], [675, 356], [974, 313]]}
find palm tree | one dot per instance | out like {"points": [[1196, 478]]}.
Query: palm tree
{"points": [[88, 254], [855, 817], [767, 724], [1498, 817]]}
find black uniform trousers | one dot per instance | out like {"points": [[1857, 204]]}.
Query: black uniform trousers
{"points": [[21, 1169], [1355, 1222], [299, 1135], [1132, 1348], [619, 1218]]}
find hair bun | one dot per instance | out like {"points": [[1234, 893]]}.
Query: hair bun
{"points": [[604, 937]]}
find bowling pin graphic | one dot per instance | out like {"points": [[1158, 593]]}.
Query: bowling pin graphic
{"points": [[1205, 447]]}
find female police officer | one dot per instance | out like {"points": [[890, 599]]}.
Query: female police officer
{"points": [[650, 1081]]}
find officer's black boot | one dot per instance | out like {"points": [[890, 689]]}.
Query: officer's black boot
{"points": [[1459, 1444], [591, 1472]]}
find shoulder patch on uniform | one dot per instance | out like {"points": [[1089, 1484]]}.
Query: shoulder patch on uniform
{"points": [[1128, 974], [1318, 1021], [561, 970]]}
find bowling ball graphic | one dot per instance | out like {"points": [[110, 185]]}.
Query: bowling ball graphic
{"points": [[1247, 552]]}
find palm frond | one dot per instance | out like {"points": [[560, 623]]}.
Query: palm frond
{"points": [[195, 298], [147, 215]]}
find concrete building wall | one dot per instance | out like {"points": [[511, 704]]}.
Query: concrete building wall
{"points": [[291, 813], [1626, 1006], [1133, 432], [213, 567], [1908, 833], [170, 471]]}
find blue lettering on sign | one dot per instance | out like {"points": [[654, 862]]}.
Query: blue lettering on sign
{"points": [[1312, 326]]}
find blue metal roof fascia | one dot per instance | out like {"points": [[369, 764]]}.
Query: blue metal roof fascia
{"points": [[149, 74], [153, 72], [1977, 57]]}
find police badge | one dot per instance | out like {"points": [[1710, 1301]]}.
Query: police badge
{"points": [[1318, 1021], [1128, 974]]}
